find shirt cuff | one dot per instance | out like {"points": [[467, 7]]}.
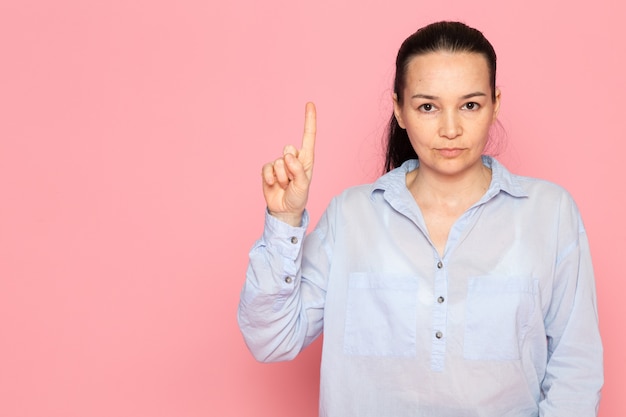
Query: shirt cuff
{"points": [[283, 237]]}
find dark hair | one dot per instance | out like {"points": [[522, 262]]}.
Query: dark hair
{"points": [[440, 36]]}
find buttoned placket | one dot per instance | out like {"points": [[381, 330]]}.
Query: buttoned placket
{"points": [[440, 313], [440, 303]]}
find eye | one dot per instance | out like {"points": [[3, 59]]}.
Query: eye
{"points": [[471, 106], [426, 108]]}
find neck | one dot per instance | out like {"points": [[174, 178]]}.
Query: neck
{"points": [[429, 186]]}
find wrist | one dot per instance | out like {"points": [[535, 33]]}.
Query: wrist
{"points": [[292, 219]]}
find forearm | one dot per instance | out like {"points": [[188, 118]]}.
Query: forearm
{"points": [[271, 316]]}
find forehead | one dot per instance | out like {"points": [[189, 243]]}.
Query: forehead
{"points": [[445, 71]]}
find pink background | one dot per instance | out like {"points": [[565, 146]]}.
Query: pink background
{"points": [[132, 134]]}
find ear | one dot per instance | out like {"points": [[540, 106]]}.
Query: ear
{"points": [[397, 111], [496, 107]]}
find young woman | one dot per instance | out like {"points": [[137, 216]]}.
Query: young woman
{"points": [[449, 287]]}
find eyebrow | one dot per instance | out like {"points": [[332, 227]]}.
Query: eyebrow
{"points": [[465, 97]]}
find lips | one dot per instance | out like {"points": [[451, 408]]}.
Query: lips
{"points": [[450, 152]]}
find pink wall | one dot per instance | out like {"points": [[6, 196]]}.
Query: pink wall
{"points": [[132, 133]]}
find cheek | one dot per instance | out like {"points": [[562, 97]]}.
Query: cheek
{"points": [[420, 135], [483, 125]]}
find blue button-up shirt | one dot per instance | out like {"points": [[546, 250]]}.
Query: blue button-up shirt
{"points": [[503, 324]]}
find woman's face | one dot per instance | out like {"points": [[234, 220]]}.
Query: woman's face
{"points": [[447, 110]]}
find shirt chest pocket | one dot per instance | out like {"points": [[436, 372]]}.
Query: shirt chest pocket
{"points": [[381, 315], [497, 316]]}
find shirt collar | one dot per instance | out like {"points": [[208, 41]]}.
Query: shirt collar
{"points": [[501, 179]]}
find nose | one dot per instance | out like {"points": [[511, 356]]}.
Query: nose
{"points": [[450, 126]]}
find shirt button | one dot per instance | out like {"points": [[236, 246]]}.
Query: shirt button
{"points": [[440, 300], [438, 335], [439, 265], [294, 240], [288, 280]]}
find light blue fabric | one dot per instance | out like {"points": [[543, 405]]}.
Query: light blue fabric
{"points": [[504, 324]]}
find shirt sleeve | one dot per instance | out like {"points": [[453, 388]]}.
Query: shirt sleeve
{"points": [[574, 373], [280, 310]]}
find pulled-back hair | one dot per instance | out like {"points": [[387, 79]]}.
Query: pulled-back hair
{"points": [[436, 37]]}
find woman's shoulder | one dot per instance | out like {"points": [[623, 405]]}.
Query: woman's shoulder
{"points": [[543, 188], [534, 185], [543, 197], [528, 186], [355, 194]]}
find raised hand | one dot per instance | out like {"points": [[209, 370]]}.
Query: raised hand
{"points": [[286, 181]]}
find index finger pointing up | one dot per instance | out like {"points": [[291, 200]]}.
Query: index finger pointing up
{"points": [[310, 129]]}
